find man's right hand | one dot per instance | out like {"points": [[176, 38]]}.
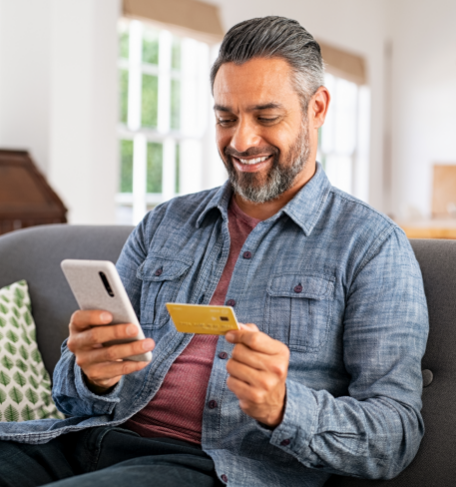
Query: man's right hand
{"points": [[103, 366]]}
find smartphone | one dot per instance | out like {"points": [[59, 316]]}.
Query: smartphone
{"points": [[96, 284], [203, 319]]}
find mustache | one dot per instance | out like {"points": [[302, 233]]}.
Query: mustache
{"points": [[251, 151]]}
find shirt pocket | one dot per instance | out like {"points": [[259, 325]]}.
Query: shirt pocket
{"points": [[162, 278], [298, 309]]}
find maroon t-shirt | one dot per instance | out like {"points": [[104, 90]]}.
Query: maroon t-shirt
{"points": [[176, 411]]}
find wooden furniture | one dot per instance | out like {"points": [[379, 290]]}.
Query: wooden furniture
{"points": [[445, 229], [26, 199], [444, 191]]}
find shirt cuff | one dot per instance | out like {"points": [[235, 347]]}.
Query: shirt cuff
{"points": [[294, 433], [101, 404]]}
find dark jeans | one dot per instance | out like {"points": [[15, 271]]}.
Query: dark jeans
{"points": [[106, 457]]}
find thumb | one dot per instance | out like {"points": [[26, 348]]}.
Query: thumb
{"points": [[249, 326]]}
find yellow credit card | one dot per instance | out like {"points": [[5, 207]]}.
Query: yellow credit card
{"points": [[203, 319]]}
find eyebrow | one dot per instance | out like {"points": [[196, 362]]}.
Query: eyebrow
{"points": [[266, 106]]}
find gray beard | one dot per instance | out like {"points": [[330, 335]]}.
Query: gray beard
{"points": [[280, 177]]}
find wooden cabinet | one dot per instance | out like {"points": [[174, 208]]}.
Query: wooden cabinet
{"points": [[26, 199]]}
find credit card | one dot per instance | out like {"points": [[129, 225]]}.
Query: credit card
{"points": [[203, 319]]}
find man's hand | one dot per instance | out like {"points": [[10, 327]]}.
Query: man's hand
{"points": [[258, 370], [103, 366]]}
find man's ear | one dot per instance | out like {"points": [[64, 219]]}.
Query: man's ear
{"points": [[318, 107]]}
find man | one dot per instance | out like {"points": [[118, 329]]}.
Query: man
{"points": [[326, 377]]}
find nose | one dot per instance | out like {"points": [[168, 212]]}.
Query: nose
{"points": [[245, 136]]}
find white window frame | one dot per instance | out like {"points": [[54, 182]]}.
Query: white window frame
{"points": [[195, 113], [347, 169]]}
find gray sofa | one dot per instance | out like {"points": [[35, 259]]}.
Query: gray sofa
{"points": [[35, 254]]}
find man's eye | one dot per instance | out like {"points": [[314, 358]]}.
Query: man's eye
{"points": [[225, 121], [267, 120]]}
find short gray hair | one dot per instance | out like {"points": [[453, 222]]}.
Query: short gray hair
{"points": [[275, 37]]}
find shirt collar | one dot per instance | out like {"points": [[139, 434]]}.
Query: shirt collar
{"points": [[304, 209], [220, 199]]}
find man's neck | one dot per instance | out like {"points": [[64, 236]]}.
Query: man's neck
{"points": [[263, 211]]}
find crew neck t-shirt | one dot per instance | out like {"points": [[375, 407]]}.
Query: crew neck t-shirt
{"points": [[176, 411]]}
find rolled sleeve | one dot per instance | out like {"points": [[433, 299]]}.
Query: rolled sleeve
{"points": [[71, 394]]}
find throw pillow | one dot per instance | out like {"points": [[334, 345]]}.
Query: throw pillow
{"points": [[25, 385]]}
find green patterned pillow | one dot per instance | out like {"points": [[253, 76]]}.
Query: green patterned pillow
{"points": [[25, 385]]}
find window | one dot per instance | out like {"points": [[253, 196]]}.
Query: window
{"points": [[163, 116], [344, 138]]}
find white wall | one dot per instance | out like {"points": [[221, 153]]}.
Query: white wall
{"points": [[25, 36], [83, 147], [58, 97], [424, 99]]}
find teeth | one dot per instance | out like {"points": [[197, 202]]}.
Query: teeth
{"points": [[254, 161]]}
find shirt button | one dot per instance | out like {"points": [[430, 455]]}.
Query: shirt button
{"points": [[285, 442], [224, 478], [223, 355], [212, 404], [230, 302], [298, 289], [247, 255], [159, 272]]}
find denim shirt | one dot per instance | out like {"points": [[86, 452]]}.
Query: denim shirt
{"points": [[328, 276]]}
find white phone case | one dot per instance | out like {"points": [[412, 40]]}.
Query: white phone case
{"points": [[96, 284]]}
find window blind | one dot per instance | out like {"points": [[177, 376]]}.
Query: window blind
{"points": [[198, 19]]}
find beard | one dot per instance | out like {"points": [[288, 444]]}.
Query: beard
{"points": [[280, 176]]}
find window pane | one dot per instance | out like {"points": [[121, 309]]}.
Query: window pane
{"points": [[175, 104], [150, 46], [123, 43], [154, 167], [149, 100], [126, 166], [123, 84], [177, 188], [176, 54]]}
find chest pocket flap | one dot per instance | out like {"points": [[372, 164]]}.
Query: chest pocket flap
{"points": [[159, 268], [298, 309], [301, 286], [162, 278]]}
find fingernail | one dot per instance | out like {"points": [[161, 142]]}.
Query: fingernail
{"points": [[229, 336], [132, 330], [105, 316], [148, 344]]}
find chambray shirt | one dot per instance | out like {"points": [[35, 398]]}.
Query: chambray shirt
{"points": [[328, 276]]}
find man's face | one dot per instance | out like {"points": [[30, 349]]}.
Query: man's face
{"points": [[262, 133]]}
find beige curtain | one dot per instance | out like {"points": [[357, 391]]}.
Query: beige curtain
{"points": [[344, 64], [197, 19]]}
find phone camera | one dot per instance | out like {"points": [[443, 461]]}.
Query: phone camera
{"points": [[106, 284]]}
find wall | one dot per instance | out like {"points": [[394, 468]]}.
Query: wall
{"points": [[25, 41], [58, 97], [83, 164], [424, 99]]}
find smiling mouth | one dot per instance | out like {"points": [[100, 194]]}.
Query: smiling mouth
{"points": [[251, 162]]}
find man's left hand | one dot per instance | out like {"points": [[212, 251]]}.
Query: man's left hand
{"points": [[258, 370]]}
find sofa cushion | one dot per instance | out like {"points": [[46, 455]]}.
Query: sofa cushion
{"points": [[25, 385]]}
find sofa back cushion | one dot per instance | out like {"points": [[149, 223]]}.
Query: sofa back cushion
{"points": [[34, 254]]}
